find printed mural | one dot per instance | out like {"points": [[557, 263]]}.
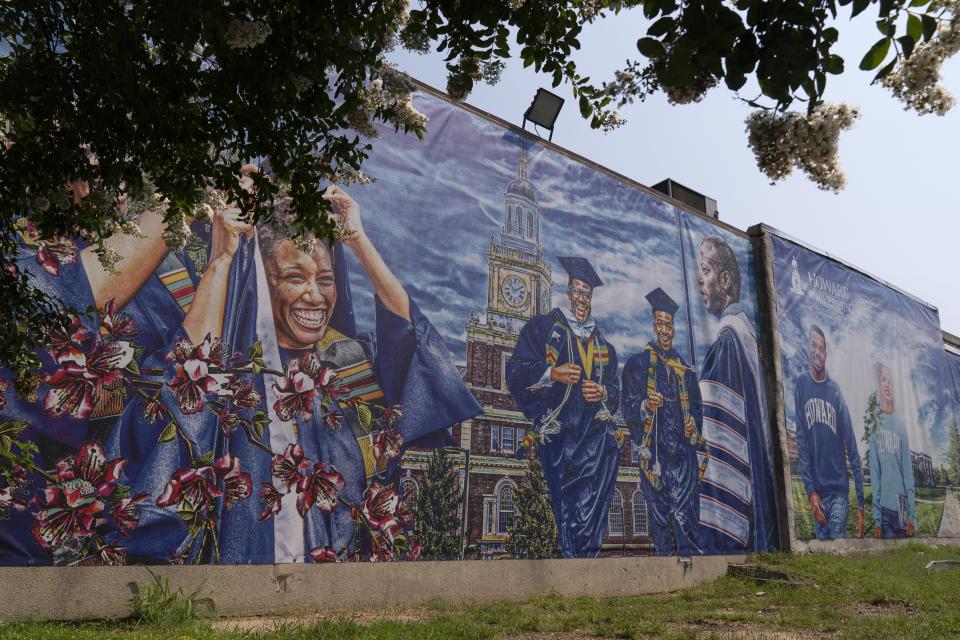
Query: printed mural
{"points": [[510, 354], [868, 423]]}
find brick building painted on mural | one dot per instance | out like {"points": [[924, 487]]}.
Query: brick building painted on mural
{"points": [[519, 284]]}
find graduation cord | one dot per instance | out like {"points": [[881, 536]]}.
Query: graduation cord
{"points": [[550, 424]]}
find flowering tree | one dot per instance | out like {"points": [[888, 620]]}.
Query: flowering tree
{"points": [[110, 107]]}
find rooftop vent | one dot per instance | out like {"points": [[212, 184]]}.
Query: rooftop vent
{"points": [[688, 197]]}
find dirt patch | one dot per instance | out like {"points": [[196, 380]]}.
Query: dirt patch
{"points": [[554, 635], [270, 623], [727, 630], [882, 609]]}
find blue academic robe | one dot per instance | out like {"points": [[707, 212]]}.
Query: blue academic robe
{"points": [[55, 436], [737, 501], [412, 366], [579, 451], [674, 504]]}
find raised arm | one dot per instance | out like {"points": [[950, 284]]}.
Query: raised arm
{"points": [[207, 309], [385, 284], [139, 258]]}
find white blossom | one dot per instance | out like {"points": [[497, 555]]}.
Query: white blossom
{"points": [[781, 142], [246, 34], [916, 80], [610, 120]]}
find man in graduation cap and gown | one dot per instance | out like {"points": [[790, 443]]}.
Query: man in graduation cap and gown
{"points": [[661, 405], [563, 374], [738, 509]]}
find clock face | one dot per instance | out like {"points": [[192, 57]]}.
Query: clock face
{"points": [[514, 290]]}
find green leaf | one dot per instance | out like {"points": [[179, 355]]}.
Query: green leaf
{"points": [[886, 69], [906, 44], [914, 27], [133, 368], [585, 108], [833, 64], [260, 422], [255, 351], [859, 6], [661, 27], [929, 26], [169, 433], [886, 27], [204, 460], [876, 54], [365, 416], [257, 365], [650, 47]]}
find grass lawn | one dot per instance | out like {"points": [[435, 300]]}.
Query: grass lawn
{"points": [[888, 595], [928, 513]]}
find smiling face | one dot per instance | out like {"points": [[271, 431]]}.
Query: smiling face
{"points": [[885, 383], [302, 293], [663, 328], [581, 299], [818, 355]]}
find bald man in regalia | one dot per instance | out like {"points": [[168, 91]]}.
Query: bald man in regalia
{"points": [[563, 374]]}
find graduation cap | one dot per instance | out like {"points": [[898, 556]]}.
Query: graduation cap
{"points": [[660, 301], [581, 269]]}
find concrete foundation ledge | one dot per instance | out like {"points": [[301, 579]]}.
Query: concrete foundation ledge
{"points": [[68, 593], [862, 545]]}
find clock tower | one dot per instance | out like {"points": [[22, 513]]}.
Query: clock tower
{"points": [[518, 277]]}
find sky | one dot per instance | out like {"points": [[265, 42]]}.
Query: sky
{"points": [[896, 219]]}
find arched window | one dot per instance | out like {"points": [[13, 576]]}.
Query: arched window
{"points": [[518, 228], [615, 515], [640, 521], [409, 484], [509, 218], [529, 224], [505, 509]]}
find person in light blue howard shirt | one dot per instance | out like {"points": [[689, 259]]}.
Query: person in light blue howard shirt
{"points": [[891, 467]]}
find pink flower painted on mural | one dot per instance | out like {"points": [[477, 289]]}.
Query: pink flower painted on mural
{"points": [[126, 514], [10, 502], [153, 410], [392, 415], [195, 486], [72, 506], [178, 558], [381, 548], [194, 379], [413, 553], [56, 252], [288, 466], [406, 509], [303, 380], [237, 484], [272, 500], [379, 508], [115, 324], [387, 443], [229, 421], [243, 394], [110, 555], [323, 554], [81, 377], [321, 488], [67, 338], [333, 420]]}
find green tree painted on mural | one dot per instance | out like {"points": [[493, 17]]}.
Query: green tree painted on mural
{"points": [[953, 456], [534, 532], [872, 419], [438, 529]]}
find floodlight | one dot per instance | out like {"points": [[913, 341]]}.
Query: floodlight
{"points": [[544, 109]]}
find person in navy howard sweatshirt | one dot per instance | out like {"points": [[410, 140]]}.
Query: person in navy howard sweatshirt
{"points": [[825, 441]]}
